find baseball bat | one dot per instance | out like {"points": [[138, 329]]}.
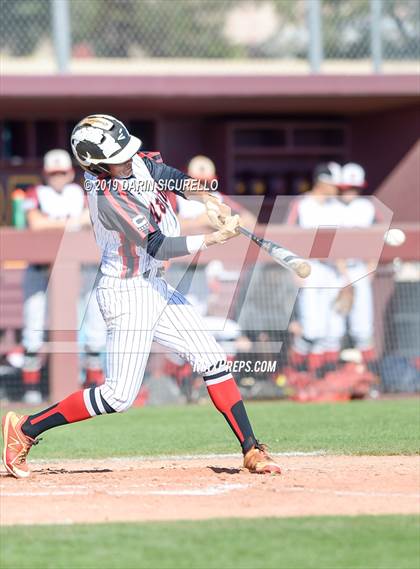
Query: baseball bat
{"points": [[282, 256]]}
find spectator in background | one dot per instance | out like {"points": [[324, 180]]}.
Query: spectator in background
{"points": [[59, 203], [355, 211], [318, 207], [192, 215]]}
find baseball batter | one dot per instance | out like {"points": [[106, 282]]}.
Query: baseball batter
{"points": [[137, 231]]}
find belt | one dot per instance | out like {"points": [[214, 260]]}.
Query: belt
{"points": [[146, 275]]}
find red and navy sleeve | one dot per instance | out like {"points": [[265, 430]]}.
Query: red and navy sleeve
{"points": [[120, 211], [167, 177]]}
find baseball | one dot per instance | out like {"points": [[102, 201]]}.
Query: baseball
{"points": [[394, 237], [303, 269]]}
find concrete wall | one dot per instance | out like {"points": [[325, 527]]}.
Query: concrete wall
{"points": [[386, 144]]}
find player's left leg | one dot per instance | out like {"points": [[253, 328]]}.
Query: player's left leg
{"points": [[313, 303], [181, 329], [336, 329], [20, 432], [361, 319]]}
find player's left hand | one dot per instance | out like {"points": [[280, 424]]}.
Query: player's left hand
{"points": [[217, 212]]}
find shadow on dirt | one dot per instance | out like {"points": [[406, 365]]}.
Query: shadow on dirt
{"points": [[47, 471], [220, 470]]}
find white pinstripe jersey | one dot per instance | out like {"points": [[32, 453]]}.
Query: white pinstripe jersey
{"points": [[121, 218], [310, 211]]}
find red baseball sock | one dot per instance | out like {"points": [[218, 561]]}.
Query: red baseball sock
{"points": [[315, 363], [31, 378], [227, 399], [94, 377], [70, 410], [369, 355], [296, 358], [331, 357]]}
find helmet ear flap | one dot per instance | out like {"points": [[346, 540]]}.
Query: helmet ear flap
{"points": [[85, 161], [99, 169]]}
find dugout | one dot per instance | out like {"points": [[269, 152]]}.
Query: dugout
{"points": [[265, 133]]}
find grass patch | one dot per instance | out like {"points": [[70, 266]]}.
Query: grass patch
{"points": [[364, 427], [368, 542]]}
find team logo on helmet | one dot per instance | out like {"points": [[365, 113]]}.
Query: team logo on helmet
{"points": [[103, 140]]}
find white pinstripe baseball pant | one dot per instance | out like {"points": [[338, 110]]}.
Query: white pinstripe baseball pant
{"points": [[137, 312]]}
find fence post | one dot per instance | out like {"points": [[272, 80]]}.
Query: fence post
{"points": [[60, 15], [313, 8], [375, 36]]}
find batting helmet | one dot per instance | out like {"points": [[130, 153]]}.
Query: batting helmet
{"points": [[98, 140]]}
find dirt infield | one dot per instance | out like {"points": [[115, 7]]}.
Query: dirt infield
{"points": [[207, 487]]}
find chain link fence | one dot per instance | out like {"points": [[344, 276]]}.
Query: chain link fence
{"points": [[347, 28], [25, 27], [235, 30], [400, 27], [258, 330]]}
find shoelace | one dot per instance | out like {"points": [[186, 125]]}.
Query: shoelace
{"points": [[262, 448], [24, 452]]}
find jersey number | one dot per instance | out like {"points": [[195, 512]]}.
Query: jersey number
{"points": [[160, 203]]}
